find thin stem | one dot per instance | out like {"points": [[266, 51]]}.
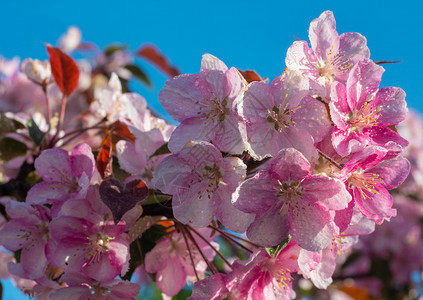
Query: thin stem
{"points": [[61, 117], [231, 240], [137, 242], [330, 160], [96, 125], [211, 246], [49, 114], [76, 135], [190, 254], [209, 265], [237, 237]]}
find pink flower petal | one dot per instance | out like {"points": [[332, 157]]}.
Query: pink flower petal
{"points": [[82, 161], [327, 192], [172, 278], [54, 165], [393, 108], [311, 229], [322, 34], [179, 97], [268, 229]]}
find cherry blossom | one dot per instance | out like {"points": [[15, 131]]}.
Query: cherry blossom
{"points": [[205, 106], [282, 116], [361, 117], [64, 175], [27, 230], [331, 56], [286, 199], [202, 182]]}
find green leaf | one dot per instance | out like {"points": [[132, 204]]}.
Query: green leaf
{"points": [[35, 132], [10, 148], [139, 74], [163, 149], [275, 250], [113, 48], [153, 198]]}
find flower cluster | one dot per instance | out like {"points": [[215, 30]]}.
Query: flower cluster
{"points": [[290, 173]]}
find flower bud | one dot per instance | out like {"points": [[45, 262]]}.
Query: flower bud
{"points": [[37, 71]]}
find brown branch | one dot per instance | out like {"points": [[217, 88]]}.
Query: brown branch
{"points": [[210, 245]]}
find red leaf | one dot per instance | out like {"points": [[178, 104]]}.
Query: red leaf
{"points": [[104, 157], [250, 75], [64, 69], [153, 55], [122, 197], [121, 131]]}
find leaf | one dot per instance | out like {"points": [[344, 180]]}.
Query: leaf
{"points": [[141, 226], [122, 197], [163, 149], [114, 48], [6, 125], [139, 74], [11, 148], [275, 250], [104, 157], [64, 69], [155, 199], [35, 132], [154, 56], [121, 130], [250, 75]]}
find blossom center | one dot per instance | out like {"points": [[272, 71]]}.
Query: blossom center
{"points": [[214, 109], [335, 64], [365, 182], [210, 174], [289, 193], [282, 275], [363, 118], [98, 243], [281, 116]]}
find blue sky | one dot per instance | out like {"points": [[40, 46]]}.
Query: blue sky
{"points": [[246, 34]]}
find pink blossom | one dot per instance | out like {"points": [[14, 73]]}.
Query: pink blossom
{"points": [[202, 183], [331, 56], [38, 71], [114, 105], [64, 175], [282, 116], [170, 260], [27, 230], [70, 40], [98, 249], [369, 176], [320, 266], [135, 158], [17, 92], [286, 199], [260, 277], [361, 117], [206, 107], [81, 286]]}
